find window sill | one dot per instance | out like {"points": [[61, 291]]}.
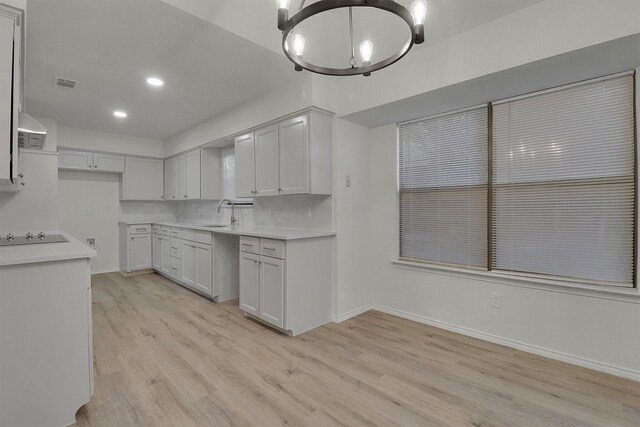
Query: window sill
{"points": [[631, 295]]}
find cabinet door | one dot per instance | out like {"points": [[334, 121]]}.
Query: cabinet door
{"points": [[170, 179], [193, 175], [204, 263], [166, 255], [139, 252], [75, 160], [189, 264], [156, 252], [108, 163], [245, 166], [143, 179], [181, 176], [7, 110], [294, 156], [249, 283], [266, 149], [272, 291]]}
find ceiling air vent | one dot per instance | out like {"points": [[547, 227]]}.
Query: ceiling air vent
{"points": [[65, 83]]}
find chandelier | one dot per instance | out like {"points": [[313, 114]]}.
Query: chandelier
{"points": [[293, 42]]}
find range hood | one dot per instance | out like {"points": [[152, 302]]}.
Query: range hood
{"points": [[31, 133]]}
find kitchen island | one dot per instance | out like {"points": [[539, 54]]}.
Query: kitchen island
{"points": [[45, 332]]}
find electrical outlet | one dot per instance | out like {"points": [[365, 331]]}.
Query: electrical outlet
{"points": [[347, 180], [91, 241], [496, 300], [308, 211]]}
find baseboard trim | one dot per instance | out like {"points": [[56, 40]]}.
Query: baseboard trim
{"points": [[353, 313], [518, 345], [137, 273], [94, 272]]}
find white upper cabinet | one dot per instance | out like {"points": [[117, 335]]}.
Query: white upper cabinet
{"points": [[88, 161], [75, 160], [194, 175], [181, 177], [245, 166], [266, 160], [170, 178], [10, 84], [143, 179], [293, 156], [108, 163]]}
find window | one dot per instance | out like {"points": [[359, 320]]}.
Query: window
{"points": [[560, 199], [443, 188], [563, 182]]}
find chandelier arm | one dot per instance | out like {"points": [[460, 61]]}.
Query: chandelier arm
{"points": [[352, 60]]}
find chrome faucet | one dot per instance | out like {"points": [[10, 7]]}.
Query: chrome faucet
{"points": [[234, 221]]}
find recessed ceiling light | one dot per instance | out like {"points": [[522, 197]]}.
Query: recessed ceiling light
{"points": [[155, 82], [120, 114]]}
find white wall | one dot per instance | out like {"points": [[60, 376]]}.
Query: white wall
{"points": [[34, 208], [352, 156], [71, 137], [89, 202], [543, 30], [592, 330], [278, 102], [89, 206]]}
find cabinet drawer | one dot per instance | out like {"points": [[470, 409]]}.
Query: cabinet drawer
{"points": [[176, 268], [250, 244], [176, 248], [164, 230], [272, 248], [188, 234], [140, 229], [155, 228], [175, 232], [203, 237]]}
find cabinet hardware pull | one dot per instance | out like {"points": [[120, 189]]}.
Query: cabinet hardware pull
{"points": [[268, 249], [247, 244], [174, 248]]}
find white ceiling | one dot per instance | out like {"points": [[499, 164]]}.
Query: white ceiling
{"points": [[112, 46], [212, 54]]}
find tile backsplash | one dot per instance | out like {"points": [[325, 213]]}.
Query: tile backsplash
{"points": [[309, 212]]}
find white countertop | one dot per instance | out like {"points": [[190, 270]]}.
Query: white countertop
{"points": [[45, 252], [254, 231]]}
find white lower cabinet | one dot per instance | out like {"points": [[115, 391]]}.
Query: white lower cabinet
{"points": [[272, 290], [186, 256], [140, 252], [156, 250], [189, 263], [166, 255], [249, 283], [286, 284], [204, 268], [262, 281], [135, 247]]}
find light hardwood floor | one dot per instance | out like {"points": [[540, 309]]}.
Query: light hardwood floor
{"points": [[165, 356]]}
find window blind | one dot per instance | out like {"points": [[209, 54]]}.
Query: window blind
{"points": [[443, 188], [563, 182]]}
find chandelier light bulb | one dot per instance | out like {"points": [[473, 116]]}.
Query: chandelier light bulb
{"points": [[419, 11], [283, 4], [366, 51], [297, 42]]}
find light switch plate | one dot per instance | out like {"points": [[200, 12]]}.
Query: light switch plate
{"points": [[347, 180]]}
